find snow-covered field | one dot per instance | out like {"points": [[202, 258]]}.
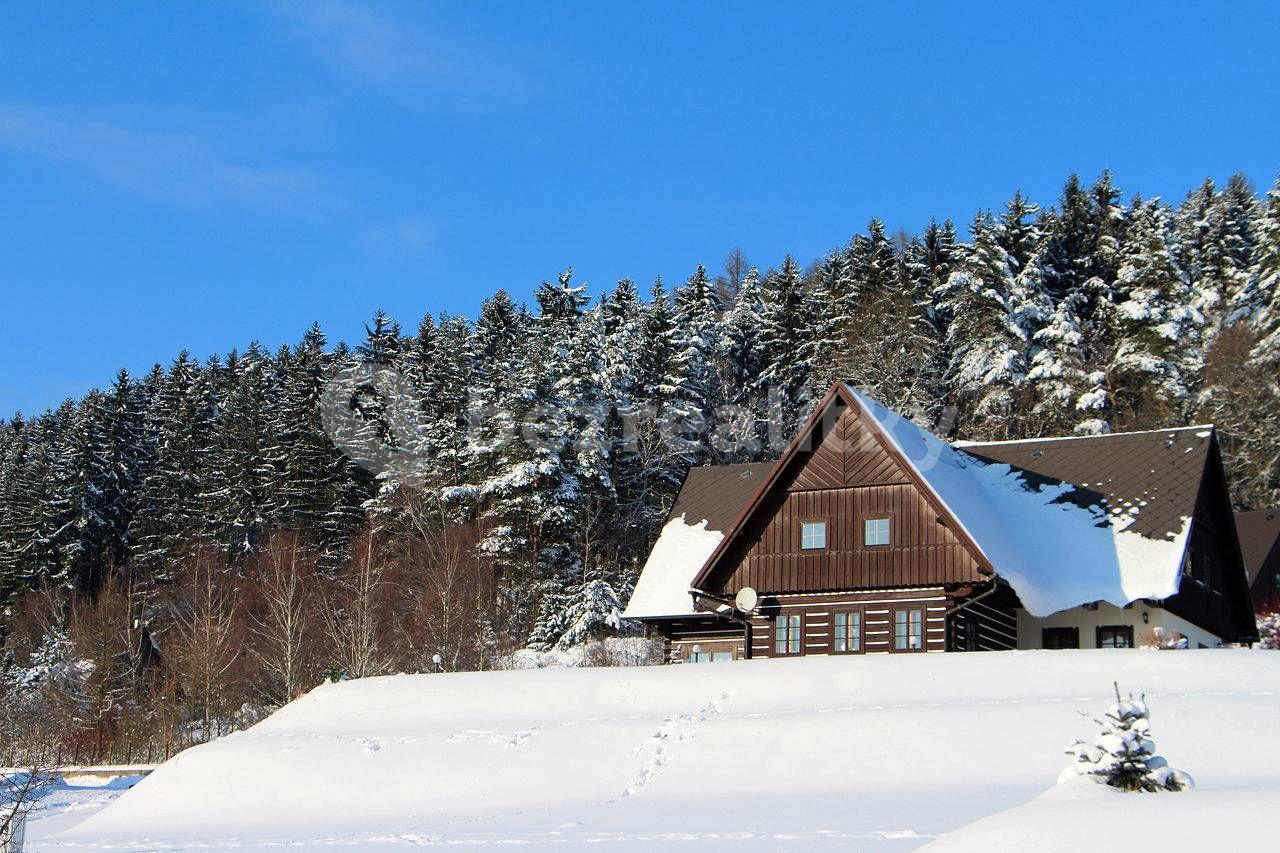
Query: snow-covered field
{"points": [[863, 753]]}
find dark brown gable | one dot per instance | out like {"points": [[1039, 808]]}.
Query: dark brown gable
{"points": [[1215, 593], [850, 454], [842, 470]]}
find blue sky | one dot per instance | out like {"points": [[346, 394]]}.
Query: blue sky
{"points": [[200, 175]]}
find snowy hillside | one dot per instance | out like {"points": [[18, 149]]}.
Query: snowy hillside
{"points": [[885, 752]]}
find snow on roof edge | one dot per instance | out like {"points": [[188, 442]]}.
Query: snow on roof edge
{"points": [[962, 442], [678, 554]]}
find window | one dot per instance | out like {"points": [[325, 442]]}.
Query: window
{"points": [[718, 657], [1060, 638], [1115, 636], [813, 535], [846, 636], [875, 531], [908, 630], [699, 657], [787, 635]]}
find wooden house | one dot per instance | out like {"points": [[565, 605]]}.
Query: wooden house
{"points": [[870, 534], [1259, 533]]}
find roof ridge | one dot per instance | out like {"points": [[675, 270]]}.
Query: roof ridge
{"points": [[964, 443]]}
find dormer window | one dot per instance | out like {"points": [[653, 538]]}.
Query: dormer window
{"points": [[875, 531], [813, 535]]}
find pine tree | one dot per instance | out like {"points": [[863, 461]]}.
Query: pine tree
{"points": [[500, 338], [1123, 755], [124, 453], [987, 345], [784, 381], [692, 383], [1060, 379], [1018, 232], [1147, 376], [1261, 301], [532, 494], [300, 453], [240, 476], [448, 387], [169, 517]]}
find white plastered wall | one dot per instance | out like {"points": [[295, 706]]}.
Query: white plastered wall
{"points": [[1087, 621]]}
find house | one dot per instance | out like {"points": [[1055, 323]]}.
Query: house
{"points": [[870, 534], [1259, 534]]}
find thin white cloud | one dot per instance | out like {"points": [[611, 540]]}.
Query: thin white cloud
{"points": [[375, 48], [173, 167], [411, 236]]}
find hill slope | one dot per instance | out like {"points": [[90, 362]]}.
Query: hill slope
{"points": [[882, 752]]}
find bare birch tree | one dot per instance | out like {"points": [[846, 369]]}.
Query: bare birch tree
{"points": [[355, 607], [283, 578], [207, 635]]}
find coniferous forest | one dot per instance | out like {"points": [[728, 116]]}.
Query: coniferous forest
{"points": [[183, 550]]}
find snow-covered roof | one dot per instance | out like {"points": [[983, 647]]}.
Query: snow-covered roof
{"points": [[663, 587], [705, 509], [1065, 522], [1055, 542]]}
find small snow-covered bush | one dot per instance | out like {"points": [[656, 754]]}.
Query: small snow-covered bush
{"points": [[1269, 630], [1124, 755]]}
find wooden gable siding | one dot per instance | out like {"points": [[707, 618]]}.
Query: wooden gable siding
{"points": [[923, 550], [850, 454]]}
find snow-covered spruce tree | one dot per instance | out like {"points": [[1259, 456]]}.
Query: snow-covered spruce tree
{"points": [[169, 516], [124, 453], [500, 334], [739, 436], [1214, 234], [655, 466], [988, 347], [1070, 238], [1149, 367], [1060, 378], [592, 610], [447, 386], [240, 477], [301, 455], [1018, 231], [1123, 754], [829, 302], [687, 419], [882, 334], [1262, 301], [784, 381]]}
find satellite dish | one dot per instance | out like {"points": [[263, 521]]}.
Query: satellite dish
{"points": [[746, 600]]}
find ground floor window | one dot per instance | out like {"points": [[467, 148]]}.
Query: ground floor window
{"points": [[1060, 638], [709, 657], [787, 636], [1115, 636], [846, 636], [908, 630]]}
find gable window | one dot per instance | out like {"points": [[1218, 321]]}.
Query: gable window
{"points": [[1115, 636], [908, 630], [846, 636], [1060, 638], [875, 531], [813, 535], [787, 635]]}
